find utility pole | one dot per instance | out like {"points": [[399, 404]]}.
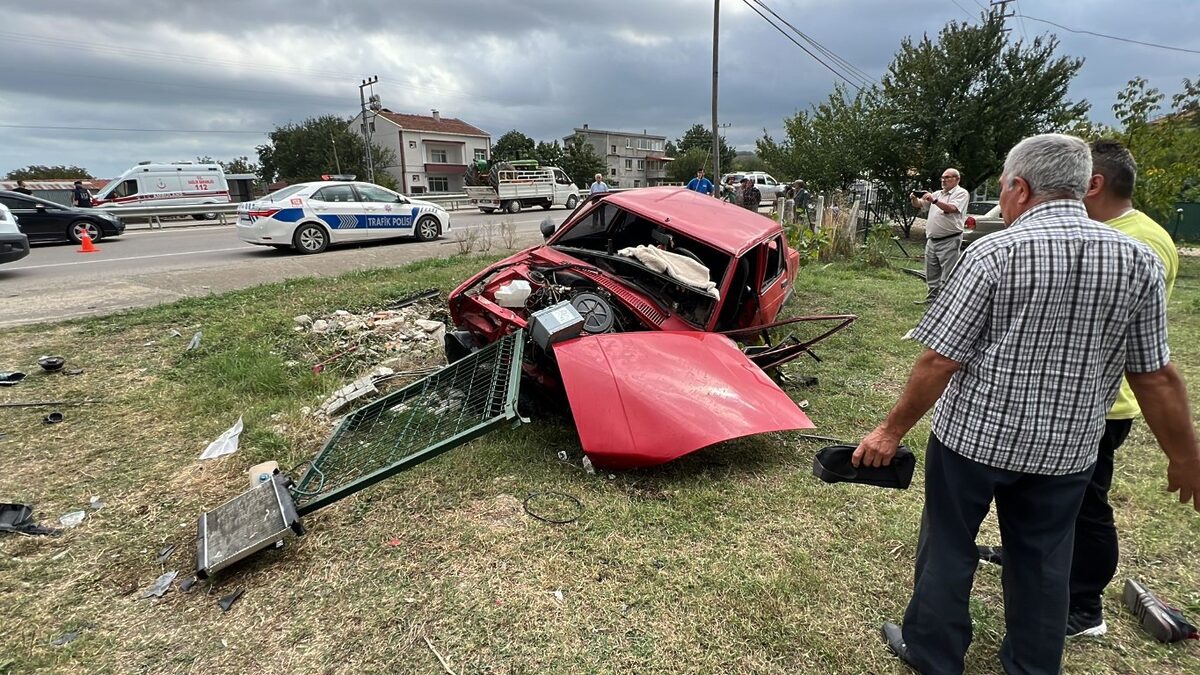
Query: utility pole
{"points": [[374, 104], [716, 142], [1003, 5], [336, 162]]}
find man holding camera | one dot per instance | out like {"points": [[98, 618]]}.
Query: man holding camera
{"points": [[943, 229]]}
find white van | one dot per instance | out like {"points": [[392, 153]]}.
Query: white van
{"points": [[168, 184]]}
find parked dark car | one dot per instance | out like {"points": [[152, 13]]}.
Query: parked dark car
{"points": [[43, 220]]}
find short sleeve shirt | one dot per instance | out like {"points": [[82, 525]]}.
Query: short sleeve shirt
{"points": [[1044, 318], [941, 224]]}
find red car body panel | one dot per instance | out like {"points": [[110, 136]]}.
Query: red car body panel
{"points": [[642, 399]]}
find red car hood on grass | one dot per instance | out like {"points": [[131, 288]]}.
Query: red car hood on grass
{"points": [[641, 399]]}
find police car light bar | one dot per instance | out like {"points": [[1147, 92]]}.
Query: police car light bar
{"points": [[338, 176]]}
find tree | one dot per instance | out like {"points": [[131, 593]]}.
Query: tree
{"points": [[748, 161], [513, 145], [236, 165], [1166, 148], [42, 172], [968, 98], [303, 152], [549, 154], [830, 146], [581, 162], [688, 162], [699, 137]]}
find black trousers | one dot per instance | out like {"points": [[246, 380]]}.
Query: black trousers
{"points": [[1037, 520], [1096, 550]]}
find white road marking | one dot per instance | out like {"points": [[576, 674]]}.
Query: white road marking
{"points": [[136, 257]]}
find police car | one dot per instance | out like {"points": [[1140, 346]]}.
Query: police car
{"points": [[310, 216]]}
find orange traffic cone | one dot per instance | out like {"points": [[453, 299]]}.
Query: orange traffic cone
{"points": [[86, 245]]}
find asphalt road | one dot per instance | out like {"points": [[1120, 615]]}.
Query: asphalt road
{"points": [[147, 267]]}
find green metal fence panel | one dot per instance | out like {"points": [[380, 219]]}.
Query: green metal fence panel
{"points": [[1184, 224], [455, 405]]}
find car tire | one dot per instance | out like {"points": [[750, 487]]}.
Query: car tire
{"points": [[76, 229], [204, 216], [547, 204], [572, 201], [310, 238], [427, 229], [483, 210], [513, 206]]}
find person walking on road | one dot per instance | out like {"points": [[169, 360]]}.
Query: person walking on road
{"points": [[80, 195], [599, 186], [700, 183], [1025, 349], [947, 209]]}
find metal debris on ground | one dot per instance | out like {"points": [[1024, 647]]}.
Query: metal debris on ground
{"points": [[10, 377], [72, 519], [51, 364], [227, 601], [175, 333], [555, 518], [73, 371], [357, 389], [427, 294], [164, 554], [65, 638], [195, 341], [186, 585], [226, 443], [43, 404], [53, 418], [455, 405], [96, 503], [19, 518], [160, 586]]}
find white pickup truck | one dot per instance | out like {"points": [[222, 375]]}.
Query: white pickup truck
{"points": [[516, 189]]}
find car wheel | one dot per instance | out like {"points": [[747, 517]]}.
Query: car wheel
{"points": [[310, 238], [547, 204], [483, 210], [427, 229], [77, 228], [204, 216], [572, 201], [514, 206]]}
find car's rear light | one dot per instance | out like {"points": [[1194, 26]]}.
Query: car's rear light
{"points": [[970, 223], [265, 213]]}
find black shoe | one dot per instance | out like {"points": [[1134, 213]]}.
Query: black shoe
{"points": [[1083, 623], [1159, 619], [993, 555], [893, 637]]}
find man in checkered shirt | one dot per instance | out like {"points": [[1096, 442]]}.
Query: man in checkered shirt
{"points": [[1026, 348]]}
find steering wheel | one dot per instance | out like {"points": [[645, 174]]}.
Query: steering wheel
{"points": [[687, 254]]}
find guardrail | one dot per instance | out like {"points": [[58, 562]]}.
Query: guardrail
{"points": [[155, 214]]}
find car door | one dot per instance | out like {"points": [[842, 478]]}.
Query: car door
{"points": [[387, 214], [39, 224], [338, 206], [776, 284]]}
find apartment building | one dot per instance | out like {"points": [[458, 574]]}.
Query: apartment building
{"points": [[633, 159], [432, 152]]}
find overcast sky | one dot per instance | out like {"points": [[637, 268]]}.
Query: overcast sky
{"points": [[544, 67]]}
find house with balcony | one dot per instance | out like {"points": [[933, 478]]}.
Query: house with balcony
{"points": [[432, 152], [632, 159]]}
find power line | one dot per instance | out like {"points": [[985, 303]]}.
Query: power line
{"points": [[157, 131], [1024, 35], [964, 9], [1111, 37], [802, 47], [842, 63]]}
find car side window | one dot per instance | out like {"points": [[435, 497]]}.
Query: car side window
{"points": [[336, 194], [126, 188], [760, 180], [775, 261], [15, 203], [371, 193], [770, 181]]}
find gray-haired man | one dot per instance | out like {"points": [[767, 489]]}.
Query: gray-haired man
{"points": [[943, 230], [1025, 354]]}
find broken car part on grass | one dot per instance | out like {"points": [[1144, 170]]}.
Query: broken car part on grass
{"points": [[658, 351]]}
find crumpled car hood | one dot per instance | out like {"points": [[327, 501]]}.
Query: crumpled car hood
{"points": [[642, 399]]}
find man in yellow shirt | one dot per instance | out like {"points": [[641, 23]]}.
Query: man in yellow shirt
{"points": [[1110, 200]]}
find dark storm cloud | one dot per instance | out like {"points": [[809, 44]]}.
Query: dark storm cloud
{"points": [[539, 66]]}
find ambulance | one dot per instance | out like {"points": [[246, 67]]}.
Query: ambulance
{"points": [[174, 184]]}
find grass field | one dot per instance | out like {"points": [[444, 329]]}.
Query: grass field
{"points": [[733, 559]]}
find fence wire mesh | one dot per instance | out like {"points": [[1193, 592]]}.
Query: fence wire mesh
{"points": [[449, 408]]}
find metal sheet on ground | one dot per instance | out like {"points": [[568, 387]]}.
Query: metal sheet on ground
{"points": [[244, 525], [453, 406]]}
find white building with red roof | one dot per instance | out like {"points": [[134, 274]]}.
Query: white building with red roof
{"points": [[432, 152]]}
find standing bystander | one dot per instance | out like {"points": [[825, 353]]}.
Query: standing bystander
{"points": [[700, 183], [22, 189], [943, 230], [1025, 352], [80, 195], [599, 186], [749, 197]]}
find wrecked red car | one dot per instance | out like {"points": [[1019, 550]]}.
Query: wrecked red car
{"points": [[636, 306]]}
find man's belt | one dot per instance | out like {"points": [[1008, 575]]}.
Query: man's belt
{"points": [[956, 234]]}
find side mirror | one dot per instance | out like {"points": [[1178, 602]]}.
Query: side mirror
{"points": [[547, 227], [41, 208]]}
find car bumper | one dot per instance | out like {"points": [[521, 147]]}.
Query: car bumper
{"points": [[13, 247], [265, 231]]}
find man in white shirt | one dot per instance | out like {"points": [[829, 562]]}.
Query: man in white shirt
{"points": [[943, 230], [599, 186]]}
